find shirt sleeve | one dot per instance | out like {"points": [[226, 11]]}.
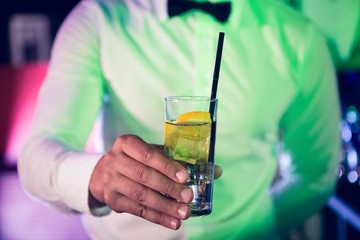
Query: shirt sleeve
{"points": [[311, 137], [53, 165]]}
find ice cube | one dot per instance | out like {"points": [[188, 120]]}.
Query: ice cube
{"points": [[191, 148]]}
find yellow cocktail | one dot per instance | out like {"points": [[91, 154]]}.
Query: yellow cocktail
{"points": [[187, 138]]}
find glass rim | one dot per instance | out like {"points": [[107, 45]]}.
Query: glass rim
{"points": [[189, 98]]}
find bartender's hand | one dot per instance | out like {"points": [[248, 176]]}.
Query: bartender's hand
{"points": [[132, 176]]}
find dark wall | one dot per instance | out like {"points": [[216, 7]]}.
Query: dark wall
{"points": [[56, 10]]}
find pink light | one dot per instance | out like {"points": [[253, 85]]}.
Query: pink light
{"points": [[19, 90], [18, 98]]}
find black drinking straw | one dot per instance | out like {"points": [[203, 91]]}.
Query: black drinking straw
{"points": [[216, 72], [213, 95]]}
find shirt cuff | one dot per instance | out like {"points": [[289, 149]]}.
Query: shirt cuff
{"points": [[73, 180]]}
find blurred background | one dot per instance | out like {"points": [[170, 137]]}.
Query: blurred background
{"points": [[27, 31]]}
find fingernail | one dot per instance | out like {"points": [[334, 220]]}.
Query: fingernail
{"points": [[174, 224], [182, 211], [186, 194], [181, 176]]}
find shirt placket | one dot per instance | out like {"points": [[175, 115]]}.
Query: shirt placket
{"points": [[204, 55]]}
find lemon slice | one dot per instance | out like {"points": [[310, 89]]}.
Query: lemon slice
{"points": [[196, 116]]}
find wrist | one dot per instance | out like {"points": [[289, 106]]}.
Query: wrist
{"points": [[96, 203]]}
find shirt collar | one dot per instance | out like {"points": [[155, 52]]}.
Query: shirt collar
{"points": [[159, 9]]}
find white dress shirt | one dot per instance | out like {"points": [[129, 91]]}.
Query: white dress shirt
{"points": [[121, 58]]}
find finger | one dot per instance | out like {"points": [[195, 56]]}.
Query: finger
{"points": [[149, 198], [158, 147], [139, 150], [149, 177], [217, 171], [121, 203]]}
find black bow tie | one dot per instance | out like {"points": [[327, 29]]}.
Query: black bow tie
{"points": [[220, 11]]}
